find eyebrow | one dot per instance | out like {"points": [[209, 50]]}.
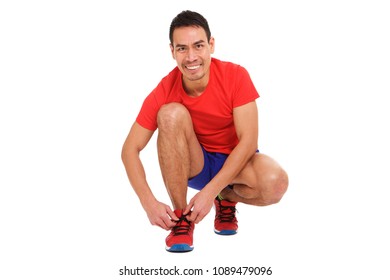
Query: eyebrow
{"points": [[196, 43]]}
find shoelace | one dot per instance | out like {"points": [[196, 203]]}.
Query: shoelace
{"points": [[227, 213], [183, 226]]}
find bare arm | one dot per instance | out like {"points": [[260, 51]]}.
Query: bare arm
{"points": [[158, 213], [246, 124]]}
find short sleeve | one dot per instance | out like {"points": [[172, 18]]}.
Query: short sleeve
{"points": [[147, 117], [245, 90]]}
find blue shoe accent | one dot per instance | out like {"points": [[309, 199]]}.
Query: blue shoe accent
{"points": [[180, 248], [225, 232]]}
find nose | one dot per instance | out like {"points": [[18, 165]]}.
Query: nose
{"points": [[191, 54]]}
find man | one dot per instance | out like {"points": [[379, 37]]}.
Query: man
{"points": [[206, 115]]}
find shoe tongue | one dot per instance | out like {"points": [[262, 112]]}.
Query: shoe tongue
{"points": [[178, 212], [227, 203]]}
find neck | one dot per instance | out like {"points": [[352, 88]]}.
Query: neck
{"points": [[195, 88]]}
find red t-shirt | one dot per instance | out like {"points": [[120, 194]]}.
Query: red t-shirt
{"points": [[229, 86]]}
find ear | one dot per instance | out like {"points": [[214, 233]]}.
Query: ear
{"points": [[212, 44], [172, 51]]}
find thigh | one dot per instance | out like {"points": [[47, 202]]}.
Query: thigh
{"points": [[259, 171]]}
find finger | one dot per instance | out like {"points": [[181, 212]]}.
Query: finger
{"points": [[167, 223], [172, 214], [170, 223], [188, 208], [198, 219], [162, 225], [193, 215]]}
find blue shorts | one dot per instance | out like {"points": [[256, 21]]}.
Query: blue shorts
{"points": [[213, 162]]}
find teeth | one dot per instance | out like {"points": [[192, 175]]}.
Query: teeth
{"points": [[193, 67]]}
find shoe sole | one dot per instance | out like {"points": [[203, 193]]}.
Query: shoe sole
{"points": [[177, 248], [225, 232]]}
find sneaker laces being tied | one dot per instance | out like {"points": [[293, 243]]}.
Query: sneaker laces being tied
{"points": [[182, 226]]}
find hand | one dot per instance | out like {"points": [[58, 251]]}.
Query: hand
{"points": [[161, 215], [201, 205]]}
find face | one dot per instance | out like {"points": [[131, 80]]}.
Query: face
{"points": [[192, 53]]}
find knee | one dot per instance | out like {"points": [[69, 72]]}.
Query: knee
{"points": [[274, 187], [170, 115]]}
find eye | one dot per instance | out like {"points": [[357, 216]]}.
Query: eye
{"points": [[180, 49], [199, 46]]}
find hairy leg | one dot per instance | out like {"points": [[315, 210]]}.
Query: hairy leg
{"points": [[179, 151], [262, 182]]}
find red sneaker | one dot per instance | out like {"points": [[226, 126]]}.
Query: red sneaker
{"points": [[225, 222], [181, 237]]}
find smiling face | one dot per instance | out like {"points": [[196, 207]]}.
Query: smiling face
{"points": [[192, 53]]}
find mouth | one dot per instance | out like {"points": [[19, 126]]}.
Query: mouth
{"points": [[193, 67]]}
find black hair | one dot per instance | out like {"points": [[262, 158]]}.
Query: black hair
{"points": [[189, 18]]}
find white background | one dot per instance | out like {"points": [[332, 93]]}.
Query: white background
{"points": [[73, 75]]}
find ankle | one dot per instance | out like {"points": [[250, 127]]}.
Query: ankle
{"points": [[225, 194]]}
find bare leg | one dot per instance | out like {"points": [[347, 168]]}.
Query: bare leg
{"points": [[262, 182], [179, 151]]}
